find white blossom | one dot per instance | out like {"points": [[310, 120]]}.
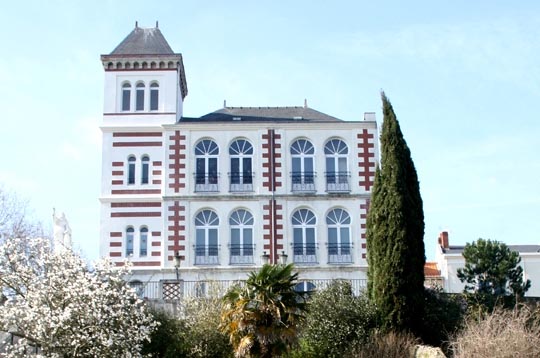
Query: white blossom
{"points": [[56, 304]]}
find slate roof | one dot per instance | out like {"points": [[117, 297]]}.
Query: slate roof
{"points": [[518, 248], [264, 114], [144, 41]]}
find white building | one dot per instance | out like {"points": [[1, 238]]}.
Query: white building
{"points": [[449, 259], [230, 188]]}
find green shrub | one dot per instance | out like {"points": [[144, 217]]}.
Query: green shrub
{"points": [[335, 322], [169, 339], [444, 315]]}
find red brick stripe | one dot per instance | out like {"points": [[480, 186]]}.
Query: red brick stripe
{"points": [[141, 214], [137, 134], [135, 205], [137, 144]]}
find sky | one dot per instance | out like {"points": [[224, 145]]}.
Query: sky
{"points": [[463, 78]]}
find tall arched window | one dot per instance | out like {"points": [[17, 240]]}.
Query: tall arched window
{"points": [[241, 223], [130, 232], [206, 238], [339, 236], [302, 152], [139, 98], [145, 160], [241, 152], [337, 175], [154, 96], [131, 169], [304, 241], [143, 241], [206, 164], [126, 97]]}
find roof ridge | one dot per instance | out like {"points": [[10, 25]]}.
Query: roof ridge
{"points": [[262, 107]]}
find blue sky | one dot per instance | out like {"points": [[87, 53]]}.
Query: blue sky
{"points": [[463, 77]]}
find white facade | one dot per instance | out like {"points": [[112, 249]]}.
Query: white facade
{"points": [[225, 189]]}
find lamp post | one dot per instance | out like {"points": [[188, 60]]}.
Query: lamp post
{"points": [[177, 261], [265, 258], [283, 258]]}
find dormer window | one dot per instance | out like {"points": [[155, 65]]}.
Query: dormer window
{"points": [[126, 96], [154, 96], [139, 99]]}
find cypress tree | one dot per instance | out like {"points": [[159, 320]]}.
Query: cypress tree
{"points": [[395, 233]]}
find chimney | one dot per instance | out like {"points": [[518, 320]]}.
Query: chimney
{"points": [[443, 240]]}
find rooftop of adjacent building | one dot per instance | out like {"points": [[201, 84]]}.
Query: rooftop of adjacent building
{"points": [[448, 249], [431, 269]]}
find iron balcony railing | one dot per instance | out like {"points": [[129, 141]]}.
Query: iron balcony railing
{"points": [[170, 290], [206, 254], [337, 182], [241, 254], [304, 253], [240, 182], [340, 253], [303, 181], [206, 182]]}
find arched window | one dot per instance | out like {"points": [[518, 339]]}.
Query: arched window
{"points": [[206, 164], [302, 152], [241, 223], [154, 96], [130, 232], [304, 287], [339, 236], [241, 152], [145, 169], [131, 169], [206, 238], [337, 175], [139, 98], [126, 97], [143, 243], [304, 242]]}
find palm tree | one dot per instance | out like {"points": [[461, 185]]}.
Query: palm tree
{"points": [[262, 316]]}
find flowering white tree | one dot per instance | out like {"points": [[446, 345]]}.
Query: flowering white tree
{"points": [[57, 307]]}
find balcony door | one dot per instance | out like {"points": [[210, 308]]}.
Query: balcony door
{"points": [[206, 166], [302, 174]]}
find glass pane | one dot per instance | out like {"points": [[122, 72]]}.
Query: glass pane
{"points": [[248, 242], [200, 172], [212, 171], [235, 170], [154, 97], [345, 241], [126, 98], [212, 242], [131, 173], [199, 242], [235, 242], [144, 179], [143, 246], [140, 100], [246, 170], [342, 164]]}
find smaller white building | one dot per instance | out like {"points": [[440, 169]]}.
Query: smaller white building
{"points": [[449, 259]]}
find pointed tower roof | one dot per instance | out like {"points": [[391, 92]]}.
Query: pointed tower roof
{"points": [[146, 49], [143, 41]]}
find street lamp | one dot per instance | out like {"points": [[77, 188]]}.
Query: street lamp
{"points": [[265, 258], [177, 260], [283, 258]]}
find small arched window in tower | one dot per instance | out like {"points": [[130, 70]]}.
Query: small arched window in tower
{"points": [[131, 170], [129, 241], [126, 96], [154, 96], [145, 169], [143, 244], [139, 100]]}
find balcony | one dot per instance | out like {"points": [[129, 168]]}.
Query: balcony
{"points": [[206, 255], [305, 254], [240, 182], [337, 182], [206, 182], [303, 182], [340, 254], [241, 254]]}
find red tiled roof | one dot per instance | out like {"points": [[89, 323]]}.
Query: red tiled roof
{"points": [[430, 269]]}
